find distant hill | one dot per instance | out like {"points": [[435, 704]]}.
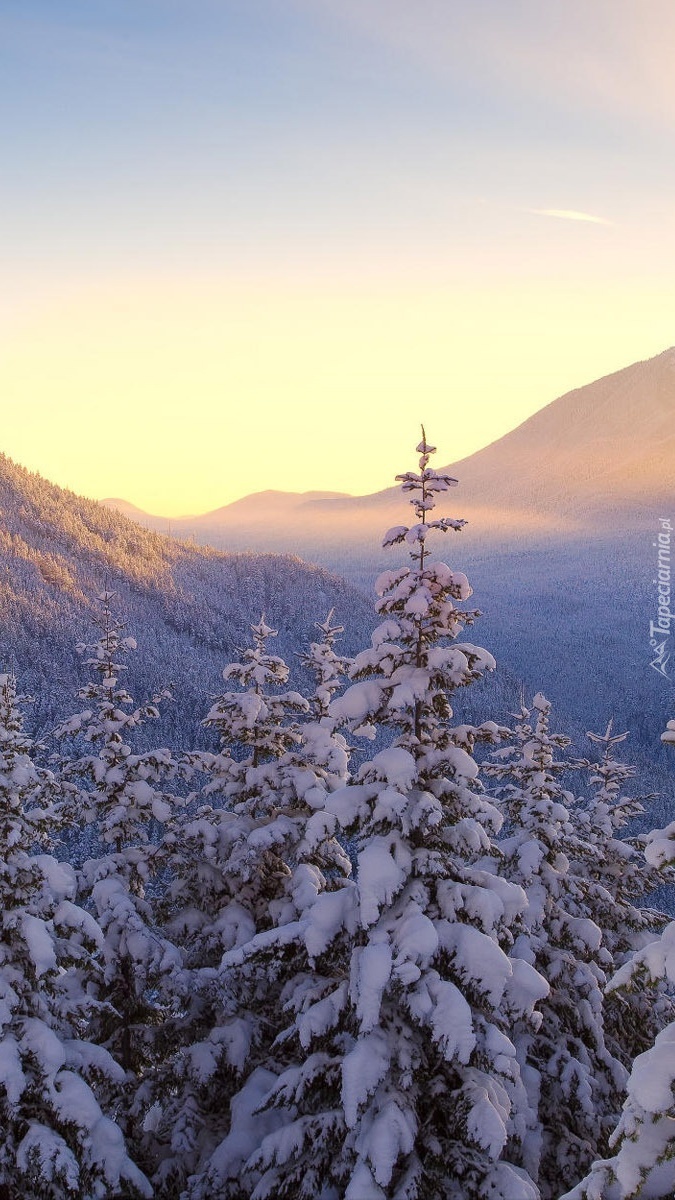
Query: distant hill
{"points": [[189, 607], [127, 509], [599, 456]]}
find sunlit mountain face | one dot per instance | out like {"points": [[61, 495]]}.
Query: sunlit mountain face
{"points": [[598, 456]]}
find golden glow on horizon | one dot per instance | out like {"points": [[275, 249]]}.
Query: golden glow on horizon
{"points": [[181, 399], [254, 246]]}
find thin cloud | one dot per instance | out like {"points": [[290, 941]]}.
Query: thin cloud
{"points": [[568, 214]]}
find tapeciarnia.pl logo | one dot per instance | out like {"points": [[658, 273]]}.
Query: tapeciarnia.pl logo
{"points": [[660, 629]]}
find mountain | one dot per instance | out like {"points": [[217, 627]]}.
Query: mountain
{"points": [[600, 455], [189, 607], [128, 510], [260, 505], [603, 449]]}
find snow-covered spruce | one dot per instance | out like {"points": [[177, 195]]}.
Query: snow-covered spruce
{"points": [[401, 1081], [643, 1163], [121, 794], [242, 877], [57, 1141], [329, 669], [616, 876], [574, 1082]]}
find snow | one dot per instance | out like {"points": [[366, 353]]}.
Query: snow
{"points": [[205, 1057], [668, 735], [39, 943], [396, 766], [459, 762], [506, 1182], [586, 935], [248, 1127], [109, 1154], [478, 958], [391, 1134], [525, 987], [660, 846], [41, 1041], [44, 1151], [415, 935], [59, 876], [362, 1186], [69, 916], [358, 701], [653, 1074], [451, 1019], [88, 1057], [331, 912], [11, 1071], [321, 1017], [74, 1100], [394, 535], [657, 958], [486, 1124], [363, 1068], [383, 867], [371, 972]]}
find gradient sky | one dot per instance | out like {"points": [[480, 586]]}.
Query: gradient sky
{"points": [[253, 243]]}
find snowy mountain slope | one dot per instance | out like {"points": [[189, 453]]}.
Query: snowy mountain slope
{"points": [[188, 607], [601, 454], [605, 447]]}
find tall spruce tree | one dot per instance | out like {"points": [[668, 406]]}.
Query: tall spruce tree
{"points": [[642, 1166], [574, 1081], [401, 1081], [244, 867], [121, 794], [329, 669], [57, 1140], [616, 878]]}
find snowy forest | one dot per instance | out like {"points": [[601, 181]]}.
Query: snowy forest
{"points": [[345, 946]]}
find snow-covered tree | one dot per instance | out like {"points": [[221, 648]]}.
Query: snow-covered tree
{"points": [[574, 1082], [642, 1166], [245, 867], [616, 877], [401, 1081], [121, 794], [57, 1141], [329, 669]]}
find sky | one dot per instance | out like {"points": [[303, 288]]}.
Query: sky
{"points": [[252, 244]]}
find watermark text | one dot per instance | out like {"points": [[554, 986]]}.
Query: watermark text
{"points": [[662, 625]]}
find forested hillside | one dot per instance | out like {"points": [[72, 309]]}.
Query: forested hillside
{"points": [[189, 607]]}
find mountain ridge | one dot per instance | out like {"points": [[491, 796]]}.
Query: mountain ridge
{"points": [[599, 449]]}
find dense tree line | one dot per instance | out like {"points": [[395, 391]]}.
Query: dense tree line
{"points": [[357, 950]]}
